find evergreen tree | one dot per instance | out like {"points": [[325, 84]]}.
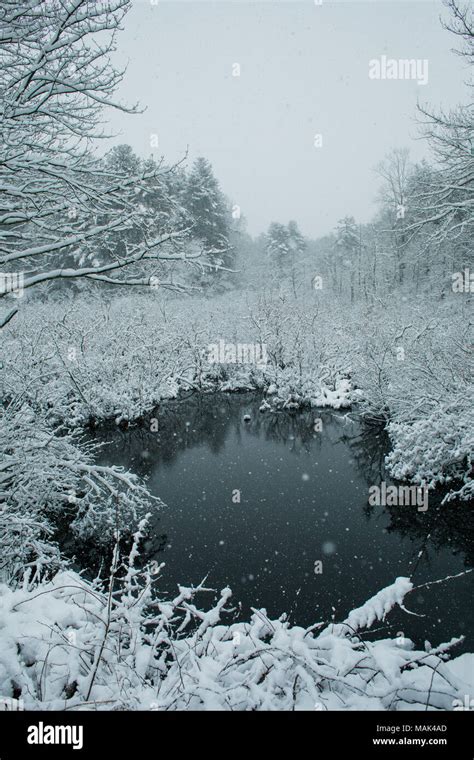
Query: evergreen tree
{"points": [[277, 244], [347, 238], [296, 240], [285, 246], [122, 159], [207, 206]]}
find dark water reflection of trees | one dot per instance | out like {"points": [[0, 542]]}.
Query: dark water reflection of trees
{"points": [[198, 420]]}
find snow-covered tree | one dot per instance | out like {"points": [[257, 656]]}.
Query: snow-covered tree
{"points": [[277, 244], [285, 247], [58, 199], [207, 206], [122, 159], [347, 245], [296, 239], [394, 170], [297, 245], [444, 200]]}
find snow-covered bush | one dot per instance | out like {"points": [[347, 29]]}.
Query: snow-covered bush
{"points": [[436, 450], [91, 362], [65, 642], [416, 374], [71, 644], [87, 362], [48, 474]]}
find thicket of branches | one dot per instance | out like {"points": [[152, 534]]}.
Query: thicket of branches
{"points": [[65, 213]]}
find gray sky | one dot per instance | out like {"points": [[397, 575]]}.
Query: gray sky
{"points": [[303, 71]]}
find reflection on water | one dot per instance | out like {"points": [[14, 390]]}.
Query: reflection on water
{"points": [[254, 504]]}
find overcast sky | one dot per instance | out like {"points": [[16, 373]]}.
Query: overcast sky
{"points": [[304, 70]]}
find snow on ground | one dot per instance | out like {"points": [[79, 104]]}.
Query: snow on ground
{"points": [[93, 364], [64, 642], [62, 647]]}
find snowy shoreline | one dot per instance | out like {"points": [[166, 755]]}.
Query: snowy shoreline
{"points": [[112, 367], [261, 664]]}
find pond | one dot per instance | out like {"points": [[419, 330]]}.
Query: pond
{"points": [[276, 507]]}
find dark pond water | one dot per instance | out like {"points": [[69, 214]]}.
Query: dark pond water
{"points": [[303, 499]]}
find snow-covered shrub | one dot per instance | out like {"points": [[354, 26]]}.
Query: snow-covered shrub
{"points": [[417, 374], [90, 362], [47, 474], [65, 642], [436, 450], [71, 644]]}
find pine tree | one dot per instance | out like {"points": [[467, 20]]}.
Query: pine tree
{"points": [[296, 239], [207, 206], [277, 244], [122, 159], [285, 246]]}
